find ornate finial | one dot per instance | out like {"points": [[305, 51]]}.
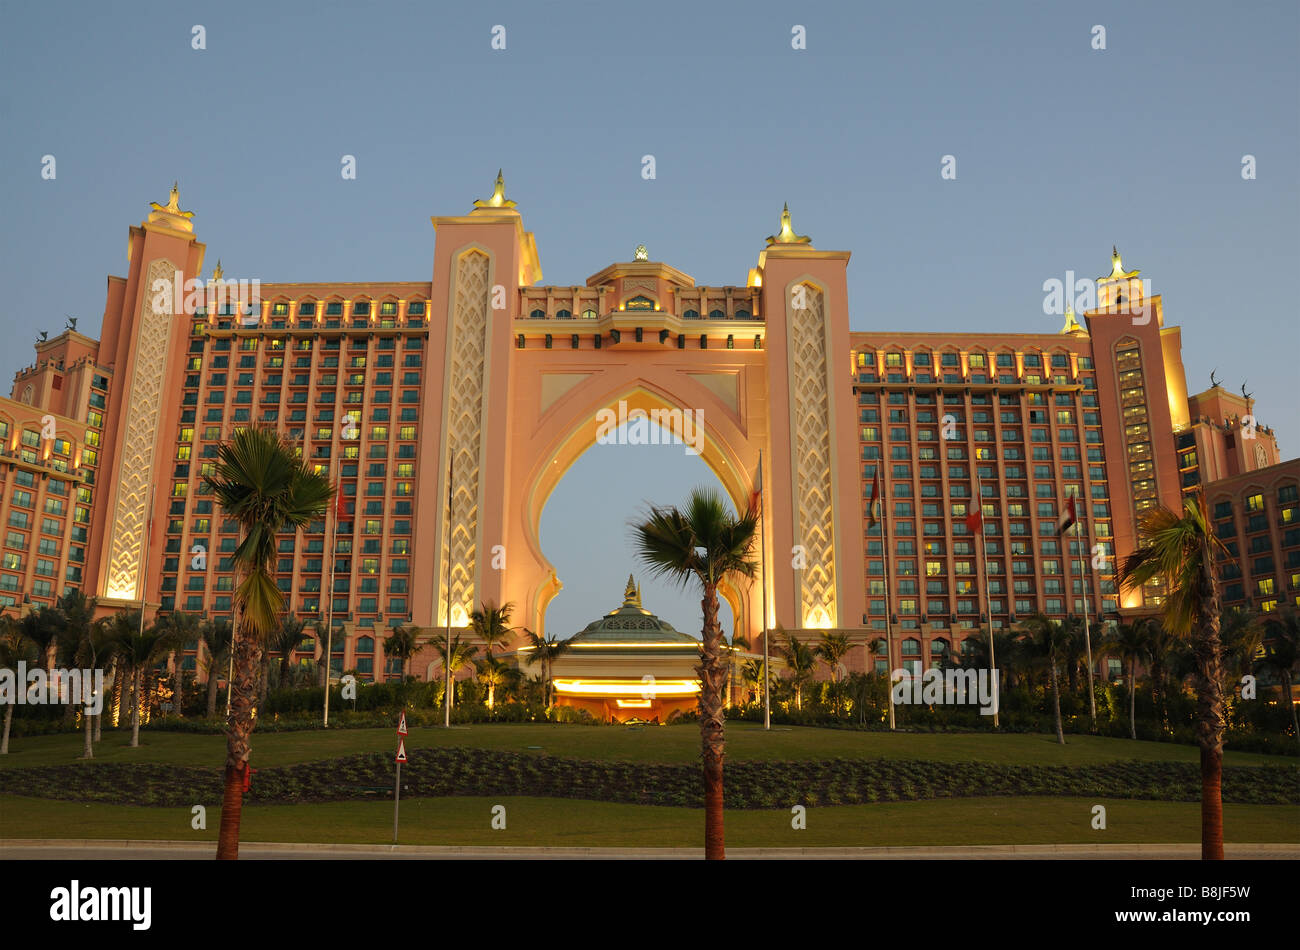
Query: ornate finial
{"points": [[498, 199], [170, 212], [217, 271], [1214, 383], [1247, 396], [641, 253], [631, 593], [1072, 325], [71, 324], [1117, 270], [45, 335], [786, 234]]}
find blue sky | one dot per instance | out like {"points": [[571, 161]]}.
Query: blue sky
{"points": [[1061, 151]]}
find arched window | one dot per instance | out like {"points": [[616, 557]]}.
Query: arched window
{"points": [[744, 315], [691, 315], [365, 645], [563, 315], [938, 646], [717, 315], [639, 303], [911, 647], [537, 315]]}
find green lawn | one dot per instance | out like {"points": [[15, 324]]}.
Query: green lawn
{"points": [[745, 741], [537, 822]]}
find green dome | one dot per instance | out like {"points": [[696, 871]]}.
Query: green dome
{"points": [[632, 624]]}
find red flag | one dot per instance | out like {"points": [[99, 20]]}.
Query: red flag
{"points": [[974, 521], [873, 503], [1069, 515], [338, 502], [756, 496]]}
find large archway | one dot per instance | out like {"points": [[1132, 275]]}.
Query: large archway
{"points": [[529, 370]]}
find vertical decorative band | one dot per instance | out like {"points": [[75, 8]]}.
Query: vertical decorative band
{"points": [[810, 430], [464, 427], [140, 431]]}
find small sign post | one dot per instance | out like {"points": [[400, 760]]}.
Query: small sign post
{"points": [[401, 757]]}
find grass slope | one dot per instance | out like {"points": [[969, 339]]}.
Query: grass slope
{"points": [[538, 822]]}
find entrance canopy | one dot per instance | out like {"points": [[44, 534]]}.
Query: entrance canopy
{"points": [[629, 664]]}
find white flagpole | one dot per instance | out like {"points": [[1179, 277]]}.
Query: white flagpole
{"points": [[329, 597], [988, 604], [446, 662], [884, 541], [762, 541], [1087, 635]]}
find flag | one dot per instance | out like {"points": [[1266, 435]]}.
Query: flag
{"points": [[756, 496], [1069, 515], [974, 520], [338, 502], [873, 502]]}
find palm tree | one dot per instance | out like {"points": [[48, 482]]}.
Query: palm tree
{"points": [[800, 660], [76, 614], [1182, 551], [402, 645], [217, 635], [492, 624], [284, 641], [184, 630], [1045, 640], [1281, 651], [1161, 647], [1128, 642], [95, 651], [43, 626], [545, 650], [137, 650], [738, 642], [15, 647], [752, 675], [832, 648], [707, 544], [261, 483], [492, 672], [454, 660]]}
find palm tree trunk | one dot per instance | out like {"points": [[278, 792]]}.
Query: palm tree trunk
{"points": [[9, 718], [212, 687], [1056, 700], [1286, 694], [177, 683], [1132, 697], [712, 672], [135, 707], [239, 730], [88, 751]]}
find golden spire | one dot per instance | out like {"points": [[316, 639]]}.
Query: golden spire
{"points": [[1071, 324], [171, 214], [1117, 271], [786, 235], [631, 593], [498, 199], [217, 271]]}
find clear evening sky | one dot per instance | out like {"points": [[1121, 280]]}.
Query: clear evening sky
{"points": [[1061, 151]]}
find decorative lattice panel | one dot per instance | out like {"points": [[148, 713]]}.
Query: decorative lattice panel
{"points": [[135, 468], [464, 428], [811, 427]]}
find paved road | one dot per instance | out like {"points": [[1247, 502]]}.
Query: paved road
{"points": [[182, 850]]}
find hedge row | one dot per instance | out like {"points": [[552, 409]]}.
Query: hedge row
{"points": [[480, 772]]}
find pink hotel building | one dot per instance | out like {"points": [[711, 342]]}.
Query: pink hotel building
{"points": [[104, 443]]}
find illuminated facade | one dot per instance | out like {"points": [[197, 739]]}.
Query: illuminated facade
{"points": [[484, 384]]}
